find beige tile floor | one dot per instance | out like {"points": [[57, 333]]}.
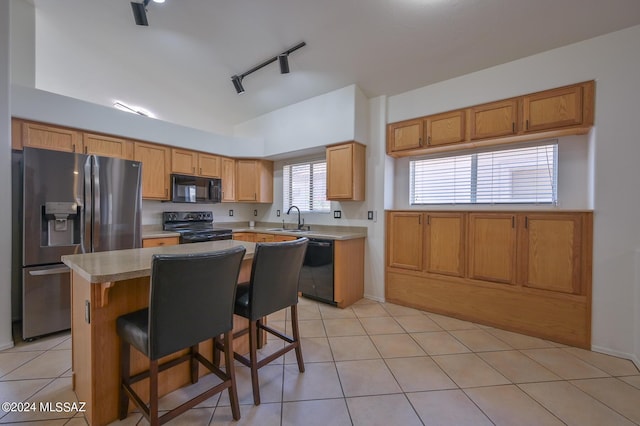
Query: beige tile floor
{"points": [[375, 364]]}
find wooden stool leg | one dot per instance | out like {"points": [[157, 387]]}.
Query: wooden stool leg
{"points": [[296, 337], [260, 334], [230, 368], [194, 364], [125, 367], [153, 393], [253, 357], [216, 351]]}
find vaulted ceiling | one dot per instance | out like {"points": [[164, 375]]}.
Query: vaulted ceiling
{"points": [[179, 67]]}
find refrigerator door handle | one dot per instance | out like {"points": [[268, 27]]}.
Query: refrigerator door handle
{"points": [[87, 210], [96, 219], [52, 271]]}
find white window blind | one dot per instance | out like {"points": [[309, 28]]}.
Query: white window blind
{"points": [[515, 175], [305, 185]]}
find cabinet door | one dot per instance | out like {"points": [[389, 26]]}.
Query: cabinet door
{"points": [[264, 238], [404, 135], [183, 161], [50, 137], [553, 109], [346, 172], [277, 238], [208, 165], [228, 179], [405, 235], [244, 236], [444, 243], [446, 128], [107, 146], [492, 247], [156, 162], [494, 119], [551, 252], [160, 242], [246, 180]]}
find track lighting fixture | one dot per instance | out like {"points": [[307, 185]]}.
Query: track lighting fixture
{"points": [[282, 58], [140, 12]]}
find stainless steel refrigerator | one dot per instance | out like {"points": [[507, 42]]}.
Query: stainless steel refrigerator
{"points": [[72, 203]]}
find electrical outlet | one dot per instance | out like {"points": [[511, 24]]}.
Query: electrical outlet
{"points": [[231, 212], [337, 214], [370, 215], [278, 213], [255, 212]]}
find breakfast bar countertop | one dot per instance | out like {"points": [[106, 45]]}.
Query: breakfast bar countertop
{"points": [[118, 265]]}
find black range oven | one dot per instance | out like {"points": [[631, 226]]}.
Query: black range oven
{"points": [[194, 227]]}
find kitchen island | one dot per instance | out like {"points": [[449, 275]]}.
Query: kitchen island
{"points": [[106, 285]]}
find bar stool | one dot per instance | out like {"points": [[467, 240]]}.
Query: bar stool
{"points": [[191, 300], [273, 286]]}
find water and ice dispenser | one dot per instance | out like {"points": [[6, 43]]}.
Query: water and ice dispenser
{"points": [[61, 224]]}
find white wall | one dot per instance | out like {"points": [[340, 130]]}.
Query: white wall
{"points": [[23, 42], [6, 339], [613, 61]]}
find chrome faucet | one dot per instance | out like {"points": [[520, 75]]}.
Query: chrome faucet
{"points": [[300, 225]]}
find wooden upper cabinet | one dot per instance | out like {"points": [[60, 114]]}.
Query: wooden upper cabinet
{"points": [[494, 119], [551, 252], [445, 243], [404, 135], [254, 181], [36, 135], [209, 165], [107, 146], [156, 164], [404, 240], [446, 128], [228, 166], [492, 247], [346, 172], [553, 108], [184, 161]]}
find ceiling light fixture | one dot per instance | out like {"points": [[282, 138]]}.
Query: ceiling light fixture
{"points": [[140, 12], [133, 109], [282, 58]]}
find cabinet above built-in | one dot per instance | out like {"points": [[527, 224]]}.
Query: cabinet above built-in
{"points": [[187, 162], [346, 172], [254, 181], [553, 113]]}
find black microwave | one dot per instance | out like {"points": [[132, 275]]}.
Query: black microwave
{"points": [[193, 189]]}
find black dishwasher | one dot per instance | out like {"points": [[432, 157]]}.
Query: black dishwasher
{"points": [[316, 276]]}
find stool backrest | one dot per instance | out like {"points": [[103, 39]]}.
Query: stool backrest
{"points": [[191, 298], [274, 276]]}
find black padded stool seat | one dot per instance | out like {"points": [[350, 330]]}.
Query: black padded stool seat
{"points": [[191, 300], [273, 286]]}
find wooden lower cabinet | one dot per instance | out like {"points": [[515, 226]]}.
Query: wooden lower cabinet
{"points": [[528, 272], [245, 236], [159, 242], [348, 271]]}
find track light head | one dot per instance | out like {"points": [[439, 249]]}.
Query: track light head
{"points": [[140, 13], [283, 59], [237, 83]]}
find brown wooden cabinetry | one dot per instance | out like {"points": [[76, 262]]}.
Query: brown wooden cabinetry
{"points": [[254, 181], [494, 120], [159, 242], [277, 238], [447, 128], [36, 135], [404, 135], [183, 161], [492, 247], [263, 238], [156, 163], [346, 172], [244, 236], [553, 108], [208, 165], [444, 243], [107, 146], [228, 166], [528, 272]]}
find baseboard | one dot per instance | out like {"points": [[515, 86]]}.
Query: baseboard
{"points": [[377, 299], [631, 357], [7, 345]]}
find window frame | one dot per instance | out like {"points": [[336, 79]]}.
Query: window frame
{"points": [[311, 200]]}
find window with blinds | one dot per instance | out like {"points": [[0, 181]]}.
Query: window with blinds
{"points": [[305, 185], [515, 175]]}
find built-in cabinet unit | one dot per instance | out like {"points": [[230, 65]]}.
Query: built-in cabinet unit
{"points": [[551, 113], [346, 172], [209, 165], [160, 242], [37, 135], [228, 166], [107, 146], [156, 164], [528, 272], [254, 181], [184, 161]]}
